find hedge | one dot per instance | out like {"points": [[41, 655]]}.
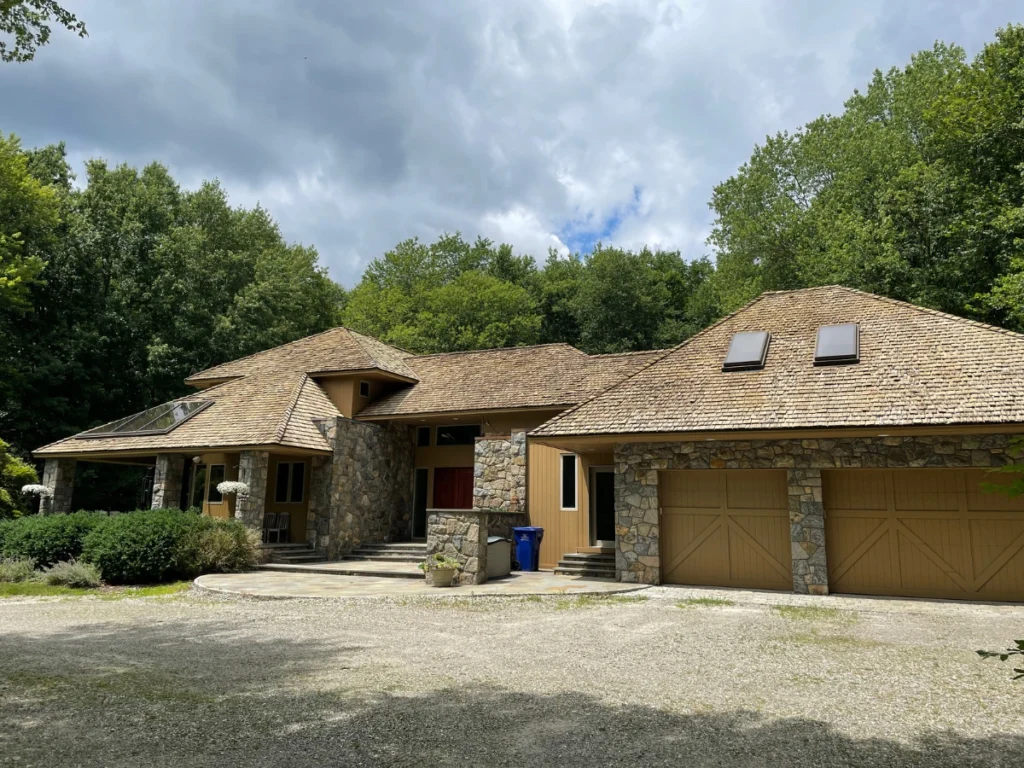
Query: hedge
{"points": [[47, 539]]}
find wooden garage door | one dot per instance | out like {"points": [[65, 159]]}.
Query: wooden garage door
{"points": [[723, 527], [923, 533]]}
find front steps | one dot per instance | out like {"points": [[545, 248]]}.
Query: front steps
{"points": [[397, 561], [402, 552], [293, 554], [588, 565]]}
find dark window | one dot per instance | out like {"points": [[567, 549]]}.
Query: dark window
{"points": [[568, 481], [216, 478], [298, 479], [281, 489], [747, 351], [458, 435], [198, 485], [419, 509], [423, 437], [364, 389], [837, 344]]}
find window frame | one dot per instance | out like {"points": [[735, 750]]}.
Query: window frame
{"points": [[366, 384], [576, 482], [437, 435], [290, 482], [211, 487]]}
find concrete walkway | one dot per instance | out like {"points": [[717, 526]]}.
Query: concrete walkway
{"points": [[349, 568], [271, 584]]}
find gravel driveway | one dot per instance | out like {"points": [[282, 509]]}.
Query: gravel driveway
{"points": [[664, 678]]}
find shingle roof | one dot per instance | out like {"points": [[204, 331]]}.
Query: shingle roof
{"points": [[272, 408], [917, 367], [338, 349], [547, 375]]}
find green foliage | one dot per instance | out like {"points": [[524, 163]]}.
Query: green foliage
{"points": [[28, 217], [914, 192], [1004, 655], [17, 569], [152, 546], [72, 574], [27, 22], [440, 562], [47, 539], [14, 474]]}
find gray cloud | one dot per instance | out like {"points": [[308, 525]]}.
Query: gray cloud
{"points": [[546, 124]]}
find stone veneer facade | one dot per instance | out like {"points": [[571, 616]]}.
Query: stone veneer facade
{"points": [[462, 535], [637, 533], [370, 485], [253, 467], [59, 477], [167, 481]]}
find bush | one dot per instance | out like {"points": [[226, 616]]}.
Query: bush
{"points": [[163, 545], [71, 574], [17, 569], [47, 539]]}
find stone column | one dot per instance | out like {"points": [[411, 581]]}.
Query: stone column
{"points": [[637, 528], [462, 535], [499, 482], [252, 470], [167, 480], [59, 477], [318, 519], [807, 531]]}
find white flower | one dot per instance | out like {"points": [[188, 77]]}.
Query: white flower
{"points": [[36, 490], [230, 487]]}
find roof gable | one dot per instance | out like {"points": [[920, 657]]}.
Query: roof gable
{"points": [[917, 367]]}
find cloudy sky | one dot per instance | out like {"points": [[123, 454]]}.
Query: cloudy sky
{"points": [[544, 123]]}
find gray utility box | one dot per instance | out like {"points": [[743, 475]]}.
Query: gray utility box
{"points": [[499, 557]]}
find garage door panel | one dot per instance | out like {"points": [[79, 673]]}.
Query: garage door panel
{"points": [[979, 500], [865, 491], [929, 542], [725, 528]]}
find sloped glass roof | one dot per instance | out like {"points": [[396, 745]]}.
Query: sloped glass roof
{"points": [[747, 351], [158, 420]]}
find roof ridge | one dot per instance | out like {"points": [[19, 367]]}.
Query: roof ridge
{"points": [[654, 362], [262, 352], [500, 349], [282, 428]]}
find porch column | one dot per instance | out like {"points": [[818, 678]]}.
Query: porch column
{"points": [[59, 477], [167, 480], [318, 517], [252, 470], [462, 535], [807, 531]]}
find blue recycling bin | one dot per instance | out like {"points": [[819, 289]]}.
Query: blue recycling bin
{"points": [[528, 540]]}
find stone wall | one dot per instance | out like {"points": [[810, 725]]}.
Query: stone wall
{"points": [[637, 533], [461, 535], [59, 477], [318, 517], [167, 480], [370, 483], [249, 508], [499, 482]]}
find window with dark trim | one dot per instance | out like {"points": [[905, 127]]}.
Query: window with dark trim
{"points": [[364, 389], [568, 483], [290, 483], [462, 434], [422, 437], [216, 478]]}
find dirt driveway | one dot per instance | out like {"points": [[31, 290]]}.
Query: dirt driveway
{"points": [[667, 677]]}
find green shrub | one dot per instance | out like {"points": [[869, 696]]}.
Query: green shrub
{"points": [[16, 569], [71, 574], [162, 545], [47, 539]]}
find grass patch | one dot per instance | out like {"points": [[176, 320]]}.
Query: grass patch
{"points": [[157, 590], [709, 602], [812, 613], [592, 601], [833, 641], [38, 589]]}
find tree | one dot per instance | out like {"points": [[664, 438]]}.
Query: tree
{"points": [[14, 473], [28, 22]]}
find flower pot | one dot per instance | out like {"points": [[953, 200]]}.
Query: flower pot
{"points": [[442, 577]]}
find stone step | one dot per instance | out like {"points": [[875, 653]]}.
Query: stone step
{"points": [[338, 569], [304, 557], [382, 551], [386, 558], [400, 546], [585, 557], [587, 572]]}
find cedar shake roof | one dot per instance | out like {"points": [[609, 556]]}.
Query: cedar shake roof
{"points": [[917, 367], [548, 375], [272, 408], [338, 349]]}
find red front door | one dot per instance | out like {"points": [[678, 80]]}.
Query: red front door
{"points": [[453, 488]]}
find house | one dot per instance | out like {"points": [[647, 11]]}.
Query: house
{"points": [[821, 440]]}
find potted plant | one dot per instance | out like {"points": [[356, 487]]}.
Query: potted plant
{"points": [[440, 569]]}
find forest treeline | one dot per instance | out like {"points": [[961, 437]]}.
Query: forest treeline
{"points": [[115, 287]]}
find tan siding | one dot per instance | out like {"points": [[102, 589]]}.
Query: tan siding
{"points": [[226, 508], [342, 392], [564, 530], [297, 511]]}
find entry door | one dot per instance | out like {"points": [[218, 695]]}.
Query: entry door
{"points": [[602, 507], [453, 488], [419, 512]]}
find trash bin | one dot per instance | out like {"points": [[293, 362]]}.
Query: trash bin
{"points": [[499, 557], [528, 540]]}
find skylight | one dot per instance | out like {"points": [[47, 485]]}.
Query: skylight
{"points": [[158, 420], [837, 344], [747, 351]]}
